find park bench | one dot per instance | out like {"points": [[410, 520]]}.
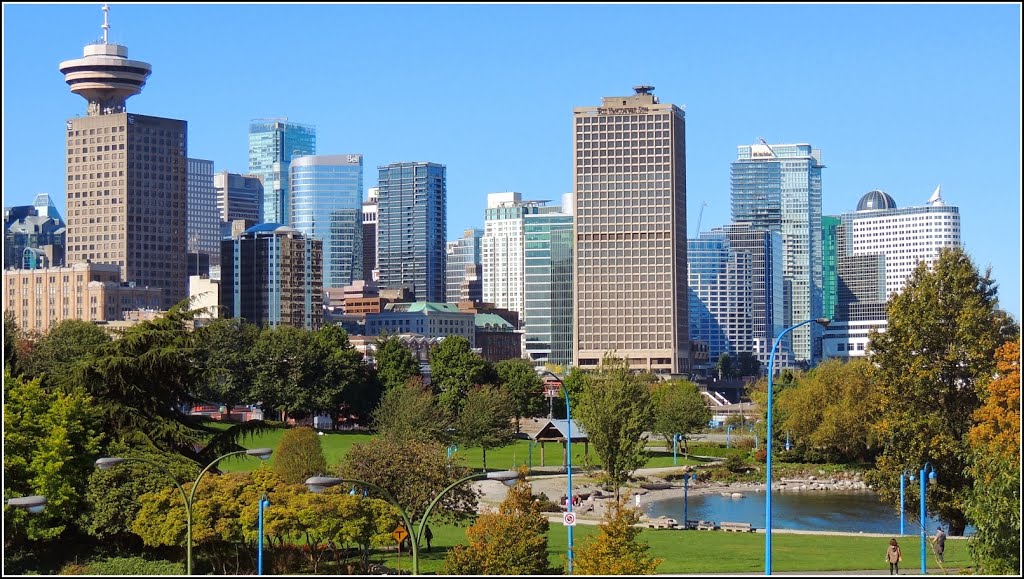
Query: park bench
{"points": [[706, 526], [737, 527], [662, 523], [691, 524]]}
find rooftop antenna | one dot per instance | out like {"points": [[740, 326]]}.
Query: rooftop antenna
{"points": [[106, 25]]}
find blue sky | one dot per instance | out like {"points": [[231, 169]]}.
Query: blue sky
{"points": [[897, 97]]}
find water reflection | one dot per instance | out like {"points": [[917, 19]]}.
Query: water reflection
{"points": [[813, 511]]}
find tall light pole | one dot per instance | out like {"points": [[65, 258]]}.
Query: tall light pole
{"points": [[927, 472], [112, 461], [568, 460], [264, 503], [903, 476], [768, 446], [728, 434], [319, 483], [686, 498]]}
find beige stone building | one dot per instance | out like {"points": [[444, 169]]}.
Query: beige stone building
{"points": [[630, 282], [41, 298]]}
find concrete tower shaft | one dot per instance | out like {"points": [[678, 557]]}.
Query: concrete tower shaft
{"points": [[104, 76]]}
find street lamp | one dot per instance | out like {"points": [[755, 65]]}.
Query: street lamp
{"points": [[568, 459], [264, 503], [112, 461], [903, 476], [768, 446], [33, 504], [317, 484], [675, 445], [927, 471], [686, 498], [728, 435]]}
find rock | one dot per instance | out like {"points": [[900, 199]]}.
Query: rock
{"points": [[812, 477], [737, 495]]}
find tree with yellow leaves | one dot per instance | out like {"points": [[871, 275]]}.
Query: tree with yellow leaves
{"points": [[615, 550]]}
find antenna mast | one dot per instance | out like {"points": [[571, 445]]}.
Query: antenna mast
{"points": [[106, 25]]}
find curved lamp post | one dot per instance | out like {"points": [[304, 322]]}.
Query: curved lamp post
{"points": [[927, 472], [686, 498], [33, 504], [768, 444], [903, 477], [112, 461], [568, 461], [317, 484]]}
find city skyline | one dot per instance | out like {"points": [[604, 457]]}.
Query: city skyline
{"points": [[898, 98]]}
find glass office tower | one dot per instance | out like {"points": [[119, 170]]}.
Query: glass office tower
{"points": [[463, 268], [272, 145], [411, 228], [778, 187], [326, 204], [547, 323]]}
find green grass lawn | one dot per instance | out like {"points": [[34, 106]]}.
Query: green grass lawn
{"points": [[721, 552]]}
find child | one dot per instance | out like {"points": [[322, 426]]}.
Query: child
{"points": [[894, 556]]}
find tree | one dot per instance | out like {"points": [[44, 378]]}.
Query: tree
{"points": [[748, 364], [55, 354], [615, 410], [12, 334], [993, 505], [225, 347], [285, 371], [414, 472], [454, 367], [486, 420], [615, 550], [511, 542], [679, 409], [395, 362], [51, 439], [343, 381], [112, 497], [410, 412], [299, 456], [938, 348], [724, 366], [518, 378]]}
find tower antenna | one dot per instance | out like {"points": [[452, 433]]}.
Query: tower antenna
{"points": [[106, 25]]}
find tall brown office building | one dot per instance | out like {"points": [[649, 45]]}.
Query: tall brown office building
{"points": [[126, 175], [630, 287]]}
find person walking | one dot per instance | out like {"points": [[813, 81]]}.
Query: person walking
{"points": [[893, 556], [939, 544], [428, 536]]}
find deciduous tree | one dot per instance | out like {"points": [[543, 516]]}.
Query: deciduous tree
{"points": [[225, 350], [299, 456], [409, 412], [616, 549], [938, 348], [395, 362], [454, 368], [679, 409], [518, 378], [486, 420]]}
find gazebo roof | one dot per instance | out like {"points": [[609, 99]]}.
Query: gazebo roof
{"points": [[554, 430]]}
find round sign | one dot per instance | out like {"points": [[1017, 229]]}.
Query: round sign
{"points": [[569, 519]]}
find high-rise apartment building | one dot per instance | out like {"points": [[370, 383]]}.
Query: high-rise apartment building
{"points": [[778, 187], [126, 176], [547, 281], [370, 274], [273, 143], [411, 228], [326, 204], [879, 246], [503, 260], [238, 196], [271, 275], [463, 267], [829, 254], [203, 226], [630, 293]]}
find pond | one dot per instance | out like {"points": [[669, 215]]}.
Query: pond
{"points": [[850, 511]]}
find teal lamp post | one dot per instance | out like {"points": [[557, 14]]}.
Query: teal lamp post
{"points": [[927, 473], [112, 461]]}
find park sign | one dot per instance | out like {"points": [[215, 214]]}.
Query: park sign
{"points": [[569, 519], [399, 534]]}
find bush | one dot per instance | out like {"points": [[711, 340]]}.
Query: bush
{"points": [[299, 456], [129, 566], [735, 464], [761, 455]]}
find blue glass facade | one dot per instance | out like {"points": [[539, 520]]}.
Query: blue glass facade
{"points": [[411, 228], [272, 145], [778, 187], [548, 287], [326, 204], [464, 279]]}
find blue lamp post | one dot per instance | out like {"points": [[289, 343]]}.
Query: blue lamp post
{"points": [[768, 446], [568, 459], [686, 498], [675, 446], [927, 471], [903, 476], [264, 503]]}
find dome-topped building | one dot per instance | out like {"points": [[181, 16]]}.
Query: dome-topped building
{"points": [[876, 201]]}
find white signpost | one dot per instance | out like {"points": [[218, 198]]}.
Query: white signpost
{"points": [[569, 519]]}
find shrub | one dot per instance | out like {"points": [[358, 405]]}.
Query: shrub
{"points": [[734, 464], [133, 566], [299, 456], [761, 455]]}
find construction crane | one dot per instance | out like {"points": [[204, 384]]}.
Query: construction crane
{"points": [[703, 204]]}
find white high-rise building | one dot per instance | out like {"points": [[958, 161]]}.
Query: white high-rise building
{"points": [[879, 247], [503, 257]]}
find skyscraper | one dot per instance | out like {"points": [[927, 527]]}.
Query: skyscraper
{"points": [[38, 228], [326, 204], [238, 196], [203, 227], [547, 280], [630, 295], [126, 175], [462, 264], [503, 260], [370, 235], [411, 228], [778, 187], [272, 145]]}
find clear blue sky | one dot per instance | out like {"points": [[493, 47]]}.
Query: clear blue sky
{"points": [[897, 97]]}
